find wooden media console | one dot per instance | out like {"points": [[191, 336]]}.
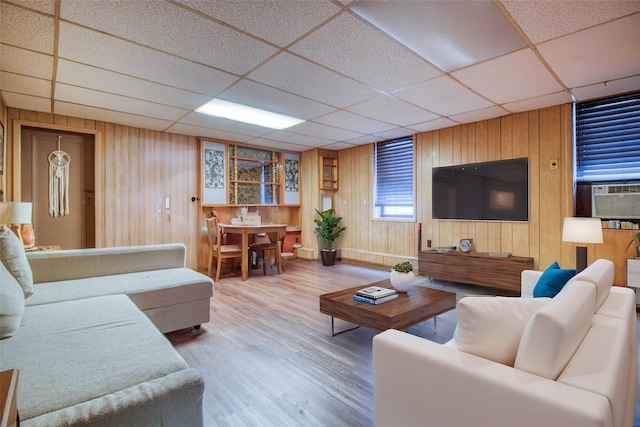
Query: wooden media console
{"points": [[475, 268]]}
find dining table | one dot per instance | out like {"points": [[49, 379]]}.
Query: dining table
{"points": [[249, 229]]}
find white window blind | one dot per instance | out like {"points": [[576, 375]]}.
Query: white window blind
{"points": [[608, 139], [393, 168]]}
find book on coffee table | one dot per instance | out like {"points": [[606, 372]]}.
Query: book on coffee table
{"points": [[376, 301], [375, 292]]}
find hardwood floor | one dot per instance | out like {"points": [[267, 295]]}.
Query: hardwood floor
{"points": [[267, 356]]}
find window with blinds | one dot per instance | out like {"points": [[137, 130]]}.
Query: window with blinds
{"points": [[608, 139], [393, 187]]}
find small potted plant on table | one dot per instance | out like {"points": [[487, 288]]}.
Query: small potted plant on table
{"points": [[402, 276]]}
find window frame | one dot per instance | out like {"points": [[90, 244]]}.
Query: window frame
{"points": [[380, 201], [607, 139]]}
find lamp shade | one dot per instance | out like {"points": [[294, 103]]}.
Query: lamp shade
{"points": [[15, 212], [582, 230]]}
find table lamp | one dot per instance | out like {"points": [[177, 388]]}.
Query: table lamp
{"points": [[582, 230], [14, 214]]}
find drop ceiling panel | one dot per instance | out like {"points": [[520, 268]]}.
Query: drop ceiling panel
{"points": [[365, 54], [25, 85], [513, 77], [433, 125], [25, 62], [103, 51], [347, 120], [185, 129], [610, 88], [296, 138], [171, 29], [479, 115], [546, 20], [279, 145], [325, 132], [296, 75], [339, 146], [86, 76], [25, 29], [257, 95], [449, 34], [443, 96], [278, 21], [392, 110], [539, 102], [27, 102], [107, 101], [44, 6], [591, 56], [109, 116]]}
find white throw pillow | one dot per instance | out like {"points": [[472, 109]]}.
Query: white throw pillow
{"points": [[556, 330], [11, 304], [491, 327], [13, 257]]}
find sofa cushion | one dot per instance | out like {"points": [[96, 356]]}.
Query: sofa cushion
{"points": [[552, 281], [555, 331], [14, 258], [147, 288], [600, 273], [491, 327], [11, 303]]}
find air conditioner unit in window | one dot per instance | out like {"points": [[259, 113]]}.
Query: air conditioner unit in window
{"points": [[615, 201]]}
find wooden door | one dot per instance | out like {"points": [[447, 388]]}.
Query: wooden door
{"points": [[181, 157], [73, 230]]}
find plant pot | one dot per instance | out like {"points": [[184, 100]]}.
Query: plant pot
{"points": [[402, 282], [328, 257]]}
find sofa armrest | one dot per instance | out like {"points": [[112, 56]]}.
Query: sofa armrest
{"points": [[528, 280], [417, 381], [54, 266]]}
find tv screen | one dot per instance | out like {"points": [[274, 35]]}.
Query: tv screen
{"points": [[497, 191]]}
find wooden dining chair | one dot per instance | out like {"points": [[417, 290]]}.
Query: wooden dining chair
{"points": [[264, 248], [217, 249]]}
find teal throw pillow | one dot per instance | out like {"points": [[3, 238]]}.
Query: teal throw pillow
{"points": [[552, 281]]}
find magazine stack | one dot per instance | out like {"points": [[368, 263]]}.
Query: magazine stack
{"points": [[375, 295]]}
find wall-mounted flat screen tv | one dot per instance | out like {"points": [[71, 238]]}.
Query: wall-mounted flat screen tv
{"points": [[489, 191]]}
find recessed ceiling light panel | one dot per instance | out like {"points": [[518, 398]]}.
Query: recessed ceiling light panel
{"points": [[242, 113]]}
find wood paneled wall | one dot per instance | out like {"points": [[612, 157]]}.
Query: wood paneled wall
{"points": [[541, 135], [136, 170], [126, 177]]}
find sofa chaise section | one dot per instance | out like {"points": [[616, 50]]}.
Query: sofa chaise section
{"points": [[99, 361], [153, 276]]}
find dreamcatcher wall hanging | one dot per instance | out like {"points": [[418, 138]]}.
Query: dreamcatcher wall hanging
{"points": [[59, 182]]}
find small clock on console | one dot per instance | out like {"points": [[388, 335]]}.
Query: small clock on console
{"points": [[466, 245]]}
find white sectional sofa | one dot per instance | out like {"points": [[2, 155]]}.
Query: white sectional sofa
{"points": [[153, 276], [570, 360], [88, 342]]}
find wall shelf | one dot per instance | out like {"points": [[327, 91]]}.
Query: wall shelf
{"points": [[328, 173]]}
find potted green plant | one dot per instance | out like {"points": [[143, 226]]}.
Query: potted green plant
{"points": [[402, 276], [328, 229]]}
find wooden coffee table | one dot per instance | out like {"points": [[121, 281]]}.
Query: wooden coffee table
{"points": [[411, 308]]}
